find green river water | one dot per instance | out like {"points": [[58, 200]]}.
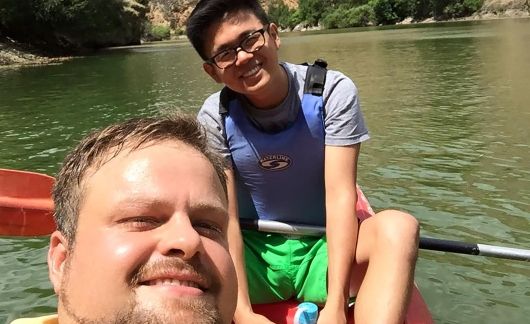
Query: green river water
{"points": [[448, 107]]}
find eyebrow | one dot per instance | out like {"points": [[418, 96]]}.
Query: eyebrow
{"points": [[210, 207]]}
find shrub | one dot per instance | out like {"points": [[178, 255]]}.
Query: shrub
{"points": [[312, 11], [344, 17], [472, 6], [159, 32], [360, 16], [295, 19], [335, 19], [279, 13], [180, 31], [392, 11], [461, 8], [384, 13]]}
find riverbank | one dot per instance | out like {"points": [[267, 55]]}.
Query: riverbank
{"points": [[14, 55]]}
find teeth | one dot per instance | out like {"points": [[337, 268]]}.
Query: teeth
{"points": [[251, 72], [173, 282]]}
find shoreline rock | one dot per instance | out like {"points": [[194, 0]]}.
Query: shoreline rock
{"points": [[13, 55]]}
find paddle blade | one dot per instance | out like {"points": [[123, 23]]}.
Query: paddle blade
{"points": [[26, 207]]}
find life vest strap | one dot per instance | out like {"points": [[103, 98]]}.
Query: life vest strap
{"points": [[316, 78]]}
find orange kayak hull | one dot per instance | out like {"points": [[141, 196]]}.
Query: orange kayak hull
{"points": [[26, 207]]}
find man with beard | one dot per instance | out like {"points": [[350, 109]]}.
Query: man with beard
{"points": [[141, 213]]}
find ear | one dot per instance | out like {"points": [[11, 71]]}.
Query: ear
{"points": [[275, 34], [57, 258], [211, 71]]}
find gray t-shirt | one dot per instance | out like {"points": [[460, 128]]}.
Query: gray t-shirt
{"points": [[343, 119]]}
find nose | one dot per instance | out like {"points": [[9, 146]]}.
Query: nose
{"points": [[243, 57], [180, 238]]}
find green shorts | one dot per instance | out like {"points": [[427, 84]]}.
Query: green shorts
{"points": [[281, 267]]}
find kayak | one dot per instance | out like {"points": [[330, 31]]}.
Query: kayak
{"points": [[284, 312], [25, 204]]}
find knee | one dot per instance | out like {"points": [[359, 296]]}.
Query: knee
{"points": [[400, 231]]}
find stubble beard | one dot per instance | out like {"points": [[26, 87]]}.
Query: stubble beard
{"points": [[192, 310]]}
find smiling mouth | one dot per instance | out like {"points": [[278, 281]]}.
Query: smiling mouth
{"points": [[252, 71], [172, 282]]}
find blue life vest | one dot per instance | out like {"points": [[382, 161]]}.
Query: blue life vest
{"points": [[280, 176]]}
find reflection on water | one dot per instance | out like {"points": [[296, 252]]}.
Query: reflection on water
{"points": [[447, 107]]}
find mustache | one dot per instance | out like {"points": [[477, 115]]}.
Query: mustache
{"points": [[193, 267]]}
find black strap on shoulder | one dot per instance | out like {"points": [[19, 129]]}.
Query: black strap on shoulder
{"points": [[315, 77], [225, 97]]}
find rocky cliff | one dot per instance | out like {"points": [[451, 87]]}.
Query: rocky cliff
{"points": [[173, 13], [503, 5]]}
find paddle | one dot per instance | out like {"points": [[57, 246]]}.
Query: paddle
{"points": [[26, 209], [426, 243]]}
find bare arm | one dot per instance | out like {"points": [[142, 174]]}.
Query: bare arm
{"points": [[340, 173], [235, 241], [244, 313]]}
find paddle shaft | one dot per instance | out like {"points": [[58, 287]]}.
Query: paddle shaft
{"points": [[426, 243], [31, 214]]}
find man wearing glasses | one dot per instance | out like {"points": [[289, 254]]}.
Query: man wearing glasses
{"points": [[293, 158]]}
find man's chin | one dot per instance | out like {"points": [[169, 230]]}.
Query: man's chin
{"points": [[183, 316], [185, 310], [189, 310], [141, 316]]}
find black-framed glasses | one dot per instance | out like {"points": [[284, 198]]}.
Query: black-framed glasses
{"points": [[250, 44]]}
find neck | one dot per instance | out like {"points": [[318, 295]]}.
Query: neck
{"points": [[274, 93]]}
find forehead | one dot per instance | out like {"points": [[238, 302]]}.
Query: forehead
{"points": [[230, 29], [168, 170]]}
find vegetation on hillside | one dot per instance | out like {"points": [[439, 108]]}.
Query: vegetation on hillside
{"points": [[354, 13]]}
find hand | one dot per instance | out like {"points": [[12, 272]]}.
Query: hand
{"points": [[251, 317], [331, 316]]}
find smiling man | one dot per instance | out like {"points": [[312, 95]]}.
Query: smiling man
{"points": [[291, 135], [142, 223]]}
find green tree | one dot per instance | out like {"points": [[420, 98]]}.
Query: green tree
{"points": [[360, 16], [73, 24], [392, 11], [335, 18], [280, 14], [295, 19], [311, 11], [345, 16], [462, 8], [384, 13]]}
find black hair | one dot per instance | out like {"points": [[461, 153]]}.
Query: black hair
{"points": [[209, 12]]}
